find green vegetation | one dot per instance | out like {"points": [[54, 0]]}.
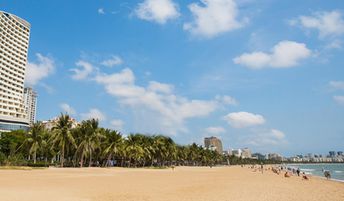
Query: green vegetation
{"points": [[90, 145]]}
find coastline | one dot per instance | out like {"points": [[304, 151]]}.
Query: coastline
{"points": [[316, 169]]}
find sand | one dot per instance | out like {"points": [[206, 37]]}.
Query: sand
{"points": [[182, 184]]}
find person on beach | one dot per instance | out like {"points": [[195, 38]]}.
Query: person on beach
{"points": [[298, 172], [286, 174], [304, 176], [327, 174], [262, 167]]}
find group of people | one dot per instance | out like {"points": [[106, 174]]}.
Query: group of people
{"points": [[293, 171], [289, 172]]}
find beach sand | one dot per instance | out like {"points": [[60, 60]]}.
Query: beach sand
{"points": [[184, 183]]}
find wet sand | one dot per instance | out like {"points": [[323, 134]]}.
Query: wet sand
{"points": [[182, 184]]}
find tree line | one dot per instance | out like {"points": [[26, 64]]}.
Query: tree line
{"points": [[88, 144]]}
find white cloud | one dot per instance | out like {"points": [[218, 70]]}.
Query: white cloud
{"points": [[215, 130], [67, 109], [283, 55], [277, 134], [157, 100], [244, 119], [337, 85], [339, 99], [83, 72], [93, 113], [117, 124], [35, 72], [226, 100], [213, 17], [272, 137], [160, 87], [113, 61], [336, 44], [126, 76], [326, 23], [159, 11], [101, 11]]}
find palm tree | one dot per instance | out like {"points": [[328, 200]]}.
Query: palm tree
{"points": [[62, 136], [89, 139], [35, 139], [112, 143], [133, 150]]}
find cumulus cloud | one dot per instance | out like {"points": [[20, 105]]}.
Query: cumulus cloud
{"points": [[101, 11], [67, 109], [113, 61], [328, 24], [215, 130], [117, 124], [283, 55], [271, 137], [35, 72], [244, 119], [93, 113], [157, 99], [339, 99], [337, 85], [213, 17], [83, 72], [159, 11]]}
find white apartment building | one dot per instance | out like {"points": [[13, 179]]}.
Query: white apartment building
{"points": [[14, 43], [30, 102], [246, 153]]}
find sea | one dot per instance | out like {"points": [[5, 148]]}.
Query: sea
{"points": [[336, 169]]}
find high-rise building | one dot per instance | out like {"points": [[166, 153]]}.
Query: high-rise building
{"points": [[213, 143], [30, 102], [14, 43]]}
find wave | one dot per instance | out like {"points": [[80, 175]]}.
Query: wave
{"points": [[338, 171], [307, 170]]}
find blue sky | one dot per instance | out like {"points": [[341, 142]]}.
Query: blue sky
{"points": [[261, 74]]}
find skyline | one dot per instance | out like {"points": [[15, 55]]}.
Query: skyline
{"points": [[256, 76]]}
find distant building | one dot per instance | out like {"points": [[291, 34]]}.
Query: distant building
{"points": [[258, 156], [246, 153], [237, 152], [49, 124], [332, 153], [30, 102], [274, 156], [213, 143], [14, 44]]}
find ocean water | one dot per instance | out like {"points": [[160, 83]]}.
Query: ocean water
{"points": [[336, 169]]}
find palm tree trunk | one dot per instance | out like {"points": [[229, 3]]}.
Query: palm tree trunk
{"points": [[34, 158], [108, 159], [82, 160], [122, 162], [62, 157], [90, 162]]}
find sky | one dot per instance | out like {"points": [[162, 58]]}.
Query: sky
{"points": [[267, 74]]}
